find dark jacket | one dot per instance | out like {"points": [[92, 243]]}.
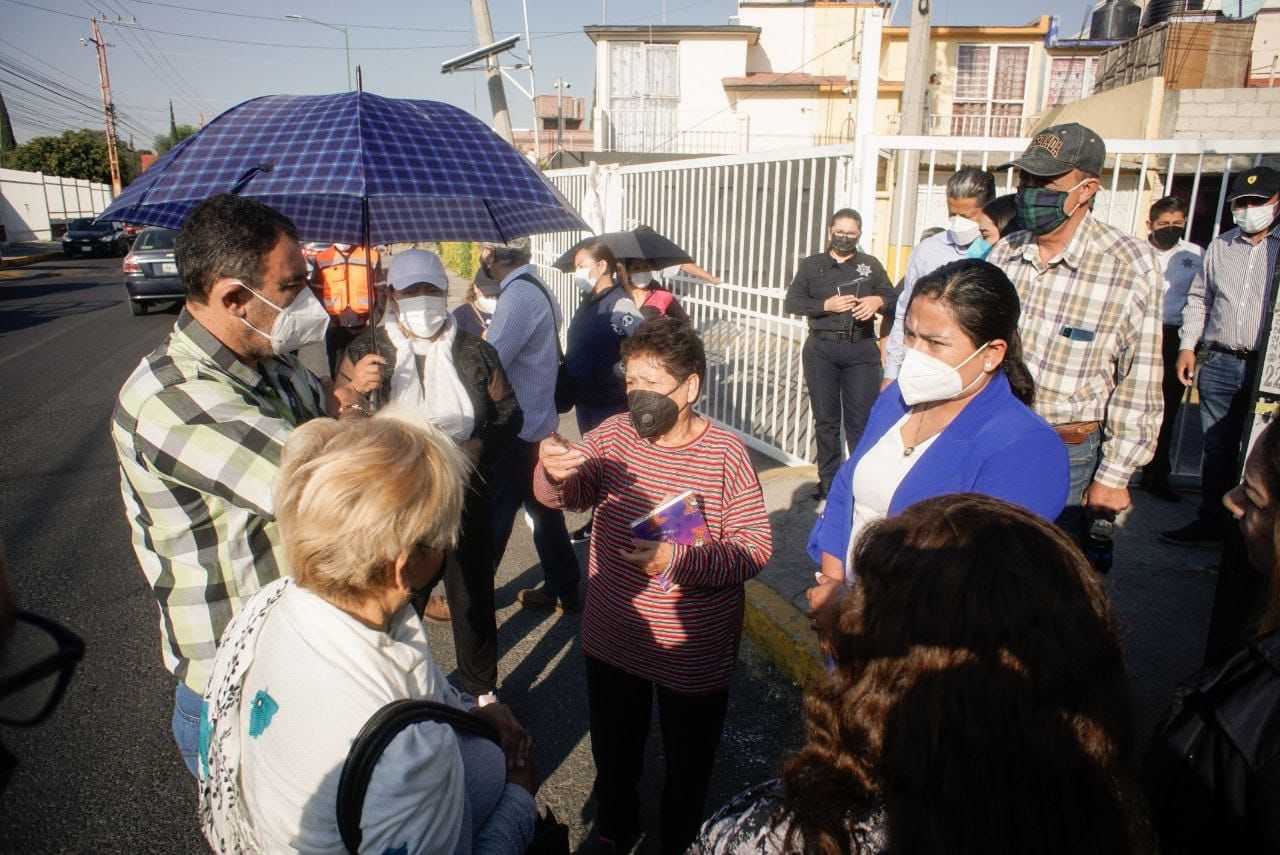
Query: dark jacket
{"points": [[593, 345], [821, 276], [470, 319], [995, 446], [1213, 773], [497, 413]]}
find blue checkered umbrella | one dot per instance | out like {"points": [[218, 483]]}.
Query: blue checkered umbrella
{"points": [[422, 169]]}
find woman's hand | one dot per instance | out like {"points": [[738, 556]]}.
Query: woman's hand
{"points": [[651, 556], [559, 459], [866, 307], [515, 740], [824, 606], [367, 373]]}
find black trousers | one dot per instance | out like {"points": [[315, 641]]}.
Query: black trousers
{"points": [[620, 705], [468, 586], [1157, 471], [843, 380]]}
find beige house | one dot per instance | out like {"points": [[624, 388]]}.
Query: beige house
{"points": [[784, 75]]}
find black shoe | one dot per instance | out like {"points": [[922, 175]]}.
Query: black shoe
{"points": [[1194, 533], [1162, 491], [582, 535]]}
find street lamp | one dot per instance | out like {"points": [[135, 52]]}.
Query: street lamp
{"points": [[346, 43]]}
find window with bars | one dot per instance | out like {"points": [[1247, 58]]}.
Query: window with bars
{"points": [[991, 90], [1070, 79]]}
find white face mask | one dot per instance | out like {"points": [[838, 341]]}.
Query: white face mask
{"points": [[962, 230], [1253, 220], [486, 304], [641, 278], [924, 379], [584, 280], [302, 322], [422, 316]]}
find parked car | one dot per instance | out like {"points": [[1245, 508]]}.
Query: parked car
{"points": [[150, 273], [132, 229], [87, 238]]}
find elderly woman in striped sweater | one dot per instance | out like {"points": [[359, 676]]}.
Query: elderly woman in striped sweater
{"points": [[660, 615]]}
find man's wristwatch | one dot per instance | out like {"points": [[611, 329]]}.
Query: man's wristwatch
{"points": [[486, 699]]}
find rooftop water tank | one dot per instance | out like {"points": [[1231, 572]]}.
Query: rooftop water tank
{"points": [[1117, 19]]}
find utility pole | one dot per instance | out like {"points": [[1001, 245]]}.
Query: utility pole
{"points": [[560, 87], [914, 92], [108, 108], [497, 95], [533, 87]]}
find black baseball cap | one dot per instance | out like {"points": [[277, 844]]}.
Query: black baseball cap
{"points": [[1262, 181], [1062, 148]]}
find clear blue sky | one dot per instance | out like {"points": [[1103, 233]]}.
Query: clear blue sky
{"points": [[399, 43]]}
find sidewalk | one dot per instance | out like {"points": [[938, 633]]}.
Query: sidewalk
{"points": [[22, 253]]}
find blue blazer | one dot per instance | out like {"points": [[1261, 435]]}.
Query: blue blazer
{"points": [[996, 446]]}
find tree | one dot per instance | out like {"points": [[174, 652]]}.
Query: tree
{"points": [[177, 133], [74, 154], [7, 141]]}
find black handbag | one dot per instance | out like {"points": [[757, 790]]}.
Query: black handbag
{"points": [[566, 387], [550, 837]]}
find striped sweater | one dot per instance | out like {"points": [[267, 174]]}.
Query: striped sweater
{"points": [[685, 638]]}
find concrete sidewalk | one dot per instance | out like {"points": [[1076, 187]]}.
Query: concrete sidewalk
{"points": [[22, 253]]}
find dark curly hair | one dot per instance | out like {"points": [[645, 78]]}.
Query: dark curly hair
{"points": [[979, 696], [985, 304], [674, 343], [230, 236]]}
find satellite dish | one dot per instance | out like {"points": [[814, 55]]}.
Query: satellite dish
{"points": [[1238, 9]]}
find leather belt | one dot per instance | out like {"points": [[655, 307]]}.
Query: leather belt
{"points": [[840, 336], [1237, 352], [1075, 433]]}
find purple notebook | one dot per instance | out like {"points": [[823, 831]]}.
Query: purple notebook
{"points": [[677, 520]]}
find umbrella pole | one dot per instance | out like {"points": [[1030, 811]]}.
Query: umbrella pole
{"points": [[374, 315]]}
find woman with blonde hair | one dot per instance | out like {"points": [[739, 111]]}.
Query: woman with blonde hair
{"points": [[366, 510]]}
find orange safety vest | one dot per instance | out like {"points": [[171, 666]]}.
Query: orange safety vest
{"points": [[343, 283]]}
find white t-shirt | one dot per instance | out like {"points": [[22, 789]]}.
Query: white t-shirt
{"points": [[876, 479], [1180, 264]]}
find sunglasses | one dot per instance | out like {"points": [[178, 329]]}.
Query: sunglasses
{"points": [[36, 666]]}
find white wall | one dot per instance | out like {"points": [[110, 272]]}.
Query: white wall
{"points": [[781, 121], [31, 203]]}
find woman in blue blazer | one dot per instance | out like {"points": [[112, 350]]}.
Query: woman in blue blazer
{"points": [[958, 419]]}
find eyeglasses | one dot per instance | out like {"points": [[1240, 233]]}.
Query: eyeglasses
{"points": [[37, 664]]}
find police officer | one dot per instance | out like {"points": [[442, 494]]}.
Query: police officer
{"points": [[840, 291]]}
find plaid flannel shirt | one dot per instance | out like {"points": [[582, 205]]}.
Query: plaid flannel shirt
{"points": [[1105, 284], [198, 435]]}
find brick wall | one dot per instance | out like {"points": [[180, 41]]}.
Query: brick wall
{"points": [[1221, 114]]}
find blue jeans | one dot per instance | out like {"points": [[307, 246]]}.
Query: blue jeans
{"points": [[512, 489], [187, 710], [1083, 461], [1224, 385]]}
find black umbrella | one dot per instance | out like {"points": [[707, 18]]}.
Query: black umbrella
{"points": [[641, 242]]}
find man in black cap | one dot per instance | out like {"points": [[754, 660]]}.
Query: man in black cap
{"points": [[1225, 308], [1090, 320]]}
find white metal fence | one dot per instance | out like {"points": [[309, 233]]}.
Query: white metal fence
{"points": [[31, 203], [751, 218]]}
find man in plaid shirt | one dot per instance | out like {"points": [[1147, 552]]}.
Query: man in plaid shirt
{"points": [[199, 426], [1090, 324]]}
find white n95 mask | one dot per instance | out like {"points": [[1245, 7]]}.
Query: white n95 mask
{"points": [[924, 379], [962, 230], [302, 322]]}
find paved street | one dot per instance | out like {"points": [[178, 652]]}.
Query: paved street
{"points": [[103, 775]]}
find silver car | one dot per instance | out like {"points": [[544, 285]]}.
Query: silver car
{"points": [[150, 273]]}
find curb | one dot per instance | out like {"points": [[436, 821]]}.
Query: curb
{"points": [[24, 260], [782, 633]]}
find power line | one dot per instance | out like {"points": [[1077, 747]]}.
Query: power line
{"points": [[199, 103], [32, 78], [207, 38], [132, 42]]}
